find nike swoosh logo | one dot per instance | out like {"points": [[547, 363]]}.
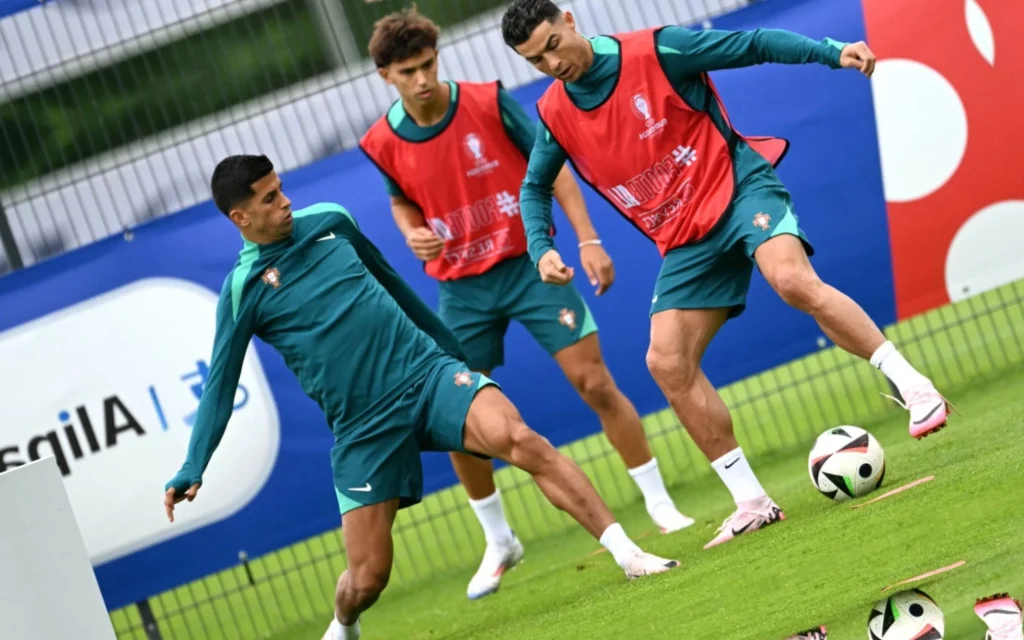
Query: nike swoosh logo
{"points": [[1007, 611], [729, 464], [930, 413], [329, 236], [364, 489], [737, 532]]}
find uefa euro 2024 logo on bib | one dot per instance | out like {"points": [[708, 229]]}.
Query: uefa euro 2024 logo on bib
{"points": [[475, 148], [642, 108]]}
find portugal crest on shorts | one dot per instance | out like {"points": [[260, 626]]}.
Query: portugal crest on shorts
{"points": [[567, 317], [272, 277], [463, 379], [762, 221]]}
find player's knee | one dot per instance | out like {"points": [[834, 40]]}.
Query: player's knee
{"points": [[528, 449], [369, 581], [671, 367], [798, 286], [596, 386]]}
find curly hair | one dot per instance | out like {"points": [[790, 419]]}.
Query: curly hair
{"points": [[401, 35]]}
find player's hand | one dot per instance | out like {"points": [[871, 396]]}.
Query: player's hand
{"points": [[858, 56], [424, 243], [173, 497], [598, 266], [553, 270]]}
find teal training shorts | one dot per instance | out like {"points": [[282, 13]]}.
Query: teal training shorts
{"points": [[715, 272], [379, 459], [478, 310]]}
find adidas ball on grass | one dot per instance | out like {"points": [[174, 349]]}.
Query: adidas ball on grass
{"points": [[846, 462], [908, 615]]}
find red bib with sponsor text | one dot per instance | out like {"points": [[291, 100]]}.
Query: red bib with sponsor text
{"points": [[661, 163], [465, 180]]}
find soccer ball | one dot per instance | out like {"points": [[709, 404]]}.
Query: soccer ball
{"points": [[908, 615], [846, 463]]}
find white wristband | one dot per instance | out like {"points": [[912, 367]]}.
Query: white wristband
{"points": [[587, 242]]}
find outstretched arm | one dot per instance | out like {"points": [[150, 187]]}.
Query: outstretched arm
{"points": [[229, 346], [692, 52], [407, 299]]}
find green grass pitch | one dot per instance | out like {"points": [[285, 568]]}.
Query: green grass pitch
{"points": [[826, 564]]}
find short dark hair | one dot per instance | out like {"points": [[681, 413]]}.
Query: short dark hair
{"points": [[232, 180], [401, 35], [523, 16]]}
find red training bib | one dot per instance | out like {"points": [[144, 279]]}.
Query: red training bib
{"points": [[662, 164], [465, 180]]}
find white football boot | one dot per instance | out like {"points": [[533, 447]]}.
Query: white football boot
{"points": [[640, 564], [497, 560], [1002, 614]]}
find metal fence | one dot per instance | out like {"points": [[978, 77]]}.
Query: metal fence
{"points": [[112, 113]]}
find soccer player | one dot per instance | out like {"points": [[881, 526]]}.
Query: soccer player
{"points": [[453, 156], [387, 373], [641, 121]]}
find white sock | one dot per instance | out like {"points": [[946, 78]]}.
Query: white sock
{"points": [[491, 515], [739, 479], [344, 632], [652, 486], [615, 540], [895, 367]]}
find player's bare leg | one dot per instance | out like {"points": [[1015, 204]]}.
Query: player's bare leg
{"points": [[370, 551], [476, 475], [586, 370], [495, 428], [679, 338], [504, 550], [787, 269]]}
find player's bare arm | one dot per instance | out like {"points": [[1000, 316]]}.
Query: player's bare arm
{"points": [[593, 258], [423, 242]]}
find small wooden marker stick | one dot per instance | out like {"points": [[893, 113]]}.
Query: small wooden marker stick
{"points": [[889, 494], [956, 565]]}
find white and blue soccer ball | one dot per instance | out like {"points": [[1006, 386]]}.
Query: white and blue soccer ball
{"points": [[845, 463], [908, 615]]}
